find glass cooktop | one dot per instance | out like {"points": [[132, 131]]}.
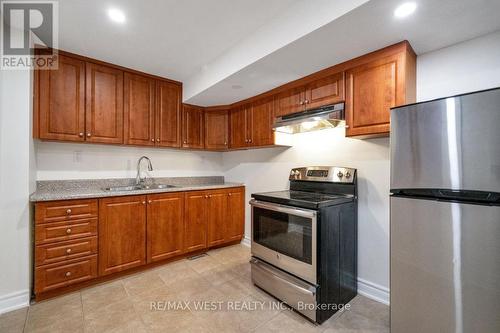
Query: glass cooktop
{"points": [[313, 200]]}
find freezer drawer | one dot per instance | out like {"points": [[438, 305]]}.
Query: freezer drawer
{"points": [[298, 294], [451, 143], [445, 266]]}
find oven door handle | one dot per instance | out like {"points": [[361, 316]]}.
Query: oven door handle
{"points": [[284, 209], [276, 274]]}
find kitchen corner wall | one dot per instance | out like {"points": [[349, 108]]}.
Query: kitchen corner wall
{"points": [[464, 67]]}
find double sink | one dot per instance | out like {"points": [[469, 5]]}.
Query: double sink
{"points": [[139, 187]]}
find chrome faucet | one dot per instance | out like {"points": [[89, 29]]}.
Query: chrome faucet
{"points": [[138, 179]]}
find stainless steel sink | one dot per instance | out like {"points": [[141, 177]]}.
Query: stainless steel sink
{"points": [[139, 187]]}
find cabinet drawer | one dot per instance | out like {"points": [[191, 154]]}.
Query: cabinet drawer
{"points": [[62, 231], [60, 251], [65, 210], [60, 275]]}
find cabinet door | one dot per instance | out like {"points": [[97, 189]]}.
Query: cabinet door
{"points": [[165, 230], [235, 219], [260, 120], [216, 129], [104, 104], [371, 90], [122, 233], [168, 109], [139, 110], [238, 127], [217, 210], [192, 127], [195, 221], [61, 101], [325, 91], [290, 101]]}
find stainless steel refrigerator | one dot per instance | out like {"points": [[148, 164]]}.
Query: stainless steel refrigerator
{"points": [[445, 215]]}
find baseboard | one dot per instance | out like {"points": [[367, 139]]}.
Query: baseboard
{"points": [[374, 291], [14, 301], [246, 241]]}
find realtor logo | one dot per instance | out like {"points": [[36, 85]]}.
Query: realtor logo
{"points": [[29, 34]]}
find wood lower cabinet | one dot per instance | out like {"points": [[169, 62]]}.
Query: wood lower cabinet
{"points": [[216, 129], [235, 215], [195, 221], [122, 233], [193, 127], [103, 104], [165, 226], [78, 241]]}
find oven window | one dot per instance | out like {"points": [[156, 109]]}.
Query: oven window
{"points": [[287, 234]]}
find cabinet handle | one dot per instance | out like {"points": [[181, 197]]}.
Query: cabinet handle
{"points": [[306, 101], [185, 142], [206, 196], [152, 140], [346, 126], [150, 201], [80, 134], [68, 211], [68, 251], [225, 143], [68, 274], [89, 135], [229, 194], [301, 102], [144, 202], [157, 140], [68, 231]]}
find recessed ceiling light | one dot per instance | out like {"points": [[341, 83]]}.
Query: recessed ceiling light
{"points": [[116, 15], [405, 9]]}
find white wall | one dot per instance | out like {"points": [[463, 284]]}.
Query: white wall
{"points": [[16, 183], [85, 161], [464, 67]]}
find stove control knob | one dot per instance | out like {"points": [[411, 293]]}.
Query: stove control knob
{"points": [[347, 174], [340, 174]]}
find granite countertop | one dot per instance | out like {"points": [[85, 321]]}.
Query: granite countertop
{"points": [[49, 190]]}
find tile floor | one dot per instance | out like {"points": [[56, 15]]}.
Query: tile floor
{"points": [[223, 276]]}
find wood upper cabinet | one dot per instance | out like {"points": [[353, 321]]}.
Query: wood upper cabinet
{"points": [[290, 101], [168, 114], [122, 233], [217, 216], [320, 92], [251, 124], [260, 120], [195, 221], [377, 83], [60, 101], [216, 128], [192, 127], [104, 104], [165, 226], [139, 105], [238, 136], [325, 91], [235, 215]]}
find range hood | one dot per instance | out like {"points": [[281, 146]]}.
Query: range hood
{"points": [[311, 120]]}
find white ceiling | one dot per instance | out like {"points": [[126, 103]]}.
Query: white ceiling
{"points": [[369, 27], [171, 38], [213, 45]]}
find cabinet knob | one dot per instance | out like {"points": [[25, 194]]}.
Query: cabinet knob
{"points": [[230, 194], [301, 102], [80, 134], [209, 196], [346, 126], [185, 142], [68, 231], [250, 140], [158, 140], [152, 140], [89, 135], [144, 202], [225, 143], [68, 251], [206, 196], [68, 274], [68, 211], [306, 101], [150, 201]]}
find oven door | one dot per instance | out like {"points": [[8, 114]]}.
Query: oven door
{"points": [[285, 237]]}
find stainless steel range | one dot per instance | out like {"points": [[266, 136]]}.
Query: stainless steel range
{"points": [[304, 240]]}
